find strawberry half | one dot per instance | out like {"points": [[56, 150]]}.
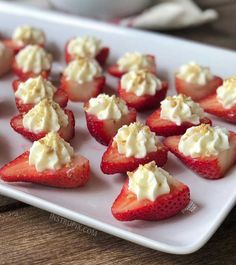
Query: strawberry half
{"points": [[104, 130], [114, 69], [211, 105], [6, 59], [75, 175], [213, 167], [144, 102], [197, 92], [168, 128], [101, 57], [113, 162], [67, 133], [60, 97], [127, 207], [13, 45], [24, 76], [82, 92]]}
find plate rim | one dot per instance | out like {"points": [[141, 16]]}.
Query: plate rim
{"points": [[118, 232]]}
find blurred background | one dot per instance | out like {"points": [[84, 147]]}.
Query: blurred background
{"points": [[211, 20]]}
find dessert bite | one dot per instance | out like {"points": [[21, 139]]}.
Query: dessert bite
{"points": [[150, 193], [133, 145], [30, 92], [25, 35], [208, 151], [176, 115], [105, 115], [44, 117], [32, 61], [223, 103], [82, 79], [196, 81], [86, 47], [133, 61], [141, 89], [50, 161], [6, 59]]}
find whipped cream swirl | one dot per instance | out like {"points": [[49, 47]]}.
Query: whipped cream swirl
{"points": [[226, 94], [195, 74], [26, 34], [204, 140], [34, 59], [46, 116], [83, 70], [33, 90], [135, 140], [141, 82], [149, 181], [83, 47], [50, 153], [181, 108], [134, 61], [107, 107]]}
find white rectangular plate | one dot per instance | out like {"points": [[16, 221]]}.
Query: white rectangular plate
{"points": [[91, 205]]}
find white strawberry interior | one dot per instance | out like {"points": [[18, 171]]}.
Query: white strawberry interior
{"points": [[82, 92], [228, 157]]}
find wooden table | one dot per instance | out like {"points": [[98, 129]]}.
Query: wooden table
{"points": [[32, 236]]}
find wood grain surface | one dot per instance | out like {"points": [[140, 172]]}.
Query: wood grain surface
{"points": [[32, 236]]}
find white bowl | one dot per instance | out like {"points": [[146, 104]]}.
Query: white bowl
{"points": [[101, 9]]}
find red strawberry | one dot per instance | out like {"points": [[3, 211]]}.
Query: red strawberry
{"points": [[113, 162], [114, 69], [67, 133], [101, 56], [6, 59], [168, 128], [197, 92], [24, 76], [83, 92], [213, 167], [211, 105], [60, 97], [104, 130], [15, 46], [75, 175], [127, 207], [143, 102], [15, 84]]}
